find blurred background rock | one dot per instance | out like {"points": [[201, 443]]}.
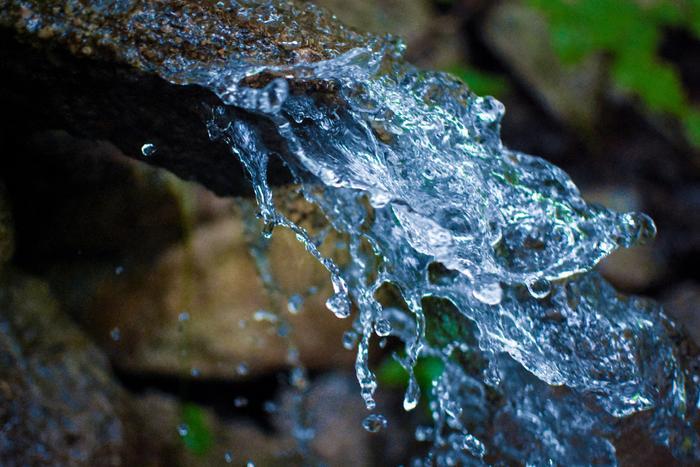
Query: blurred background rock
{"points": [[128, 301]]}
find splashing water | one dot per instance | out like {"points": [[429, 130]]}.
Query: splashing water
{"points": [[490, 249]]}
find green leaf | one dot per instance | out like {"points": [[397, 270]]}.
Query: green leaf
{"points": [[480, 82], [198, 439], [692, 127]]}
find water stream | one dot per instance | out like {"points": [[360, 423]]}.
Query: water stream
{"points": [[492, 250]]}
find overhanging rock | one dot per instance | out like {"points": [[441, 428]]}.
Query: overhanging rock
{"points": [[122, 70]]}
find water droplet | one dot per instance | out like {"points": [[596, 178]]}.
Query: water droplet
{"points": [[242, 369], [295, 303], [250, 464], [264, 315], [349, 339], [339, 304], [184, 316], [182, 429], [228, 457], [270, 407], [240, 402], [474, 446], [374, 423], [115, 334], [424, 433], [382, 327], [148, 149], [412, 395], [118, 270], [194, 372]]}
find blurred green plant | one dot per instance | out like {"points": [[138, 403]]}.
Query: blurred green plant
{"points": [[391, 374], [480, 82], [197, 435], [629, 32]]}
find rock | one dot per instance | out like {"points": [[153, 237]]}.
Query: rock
{"points": [[332, 410], [7, 243], [168, 432], [520, 37], [682, 303], [58, 402], [124, 72], [202, 308]]}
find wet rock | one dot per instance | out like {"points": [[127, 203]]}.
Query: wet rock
{"points": [[332, 413], [107, 71], [58, 403], [7, 244], [200, 308], [520, 37], [164, 431], [682, 303]]}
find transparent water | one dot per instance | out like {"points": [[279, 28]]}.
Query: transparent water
{"points": [[491, 250]]}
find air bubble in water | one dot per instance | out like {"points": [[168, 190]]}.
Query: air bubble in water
{"points": [[182, 429], [374, 423], [488, 290], [115, 334], [228, 457], [539, 288]]}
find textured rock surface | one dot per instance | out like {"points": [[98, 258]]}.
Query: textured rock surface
{"points": [[7, 245], [101, 71], [214, 281]]}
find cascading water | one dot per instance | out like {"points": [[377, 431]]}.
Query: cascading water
{"points": [[490, 250], [490, 247]]}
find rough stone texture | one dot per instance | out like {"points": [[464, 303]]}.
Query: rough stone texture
{"points": [[520, 37], [213, 279], [157, 417], [333, 410], [682, 303], [129, 247], [105, 71], [7, 244], [58, 403]]}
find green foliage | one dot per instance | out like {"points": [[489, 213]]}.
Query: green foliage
{"points": [[198, 439], [480, 82], [629, 32], [427, 369]]}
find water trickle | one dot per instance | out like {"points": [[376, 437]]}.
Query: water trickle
{"points": [[408, 167]]}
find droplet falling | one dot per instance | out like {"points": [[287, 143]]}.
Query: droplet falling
{"points": [[148, 149], [374, 423]]}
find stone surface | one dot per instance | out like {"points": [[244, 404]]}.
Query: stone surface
{"points": [[7, 243], [332, 410], [682, 303], [106, 71], [194, 309], [58, 403], [520, 37]]}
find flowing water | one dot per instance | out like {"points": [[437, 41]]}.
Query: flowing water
{"points": [[490, 250]]}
